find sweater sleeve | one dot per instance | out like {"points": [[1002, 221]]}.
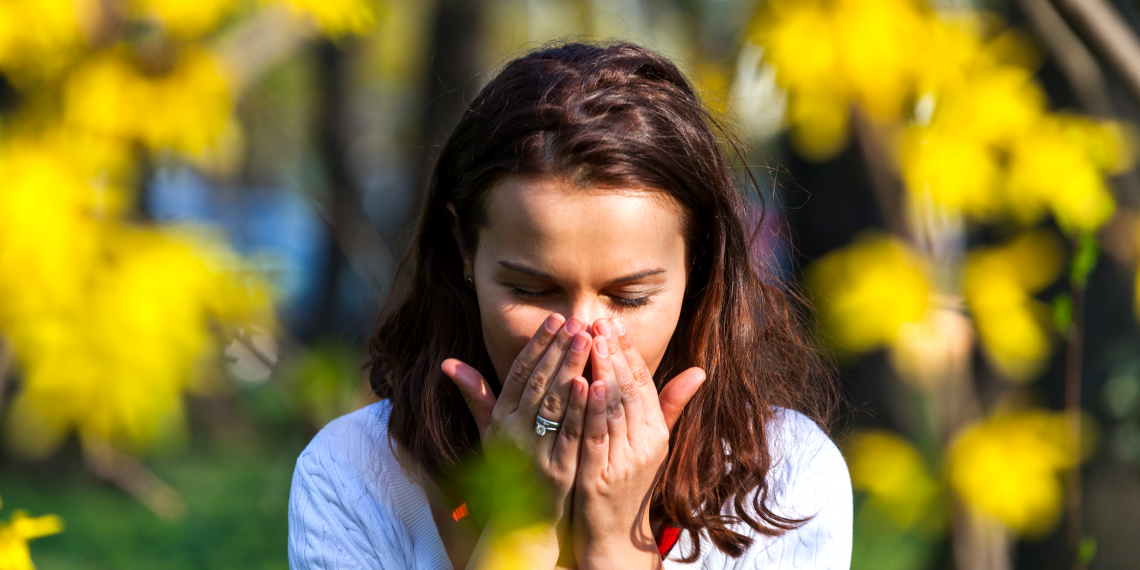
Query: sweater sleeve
{"points": [[334, 524]]}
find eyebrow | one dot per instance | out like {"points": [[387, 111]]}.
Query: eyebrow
{"points": [[536, 273]]}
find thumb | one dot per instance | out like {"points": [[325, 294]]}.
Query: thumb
{"points": [[478, 395], [676, 394]]}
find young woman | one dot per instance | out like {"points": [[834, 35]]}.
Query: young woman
{"points": [[582, 290]]}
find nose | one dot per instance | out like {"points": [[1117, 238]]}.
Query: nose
{"points": [[588, 308]]}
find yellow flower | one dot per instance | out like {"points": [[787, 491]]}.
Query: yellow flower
{"points": [[188, 110], [868, 290], [877, 59], [185, 19], [49, 233], [956, 159], [800, 42], [39, 38], [998, 284], [895, 477], [116, 370], [334, 17], [1060, 164], [1007, 466], [15, 534]]}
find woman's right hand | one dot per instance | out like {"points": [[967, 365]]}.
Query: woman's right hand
{"points": [[545, 379]]}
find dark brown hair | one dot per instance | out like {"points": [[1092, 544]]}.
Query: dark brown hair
{"points": [[615, 115]]}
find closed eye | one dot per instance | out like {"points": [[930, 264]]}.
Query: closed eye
{"points": [[632, 303], [529, 295]]}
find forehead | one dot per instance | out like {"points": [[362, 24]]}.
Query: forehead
{"points": [[553, 222]]}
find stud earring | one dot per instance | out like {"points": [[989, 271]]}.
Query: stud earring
{"points": [[469, 279]]}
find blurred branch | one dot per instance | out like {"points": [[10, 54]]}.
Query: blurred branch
{"points": [[979, 542], [1074, 59], [890, 194], [364, 249], [457, 33], [124, 472], [7, 356], [358, 241], [1108, 33], [1118, 237], [268, 37]]}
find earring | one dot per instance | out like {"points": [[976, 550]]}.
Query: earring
{"points": [[469, 279]]}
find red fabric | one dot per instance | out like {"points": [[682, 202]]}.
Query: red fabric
{"points": [[668, 538]]}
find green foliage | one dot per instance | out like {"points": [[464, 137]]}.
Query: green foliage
{"points": [[1084, 261], [236, 491]]}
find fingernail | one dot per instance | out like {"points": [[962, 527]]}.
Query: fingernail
{"points": [[578, 387], [605, 330], [599, 391], [579, 343], [619, 326], [552, 323], [600, 347], [574, 325]]}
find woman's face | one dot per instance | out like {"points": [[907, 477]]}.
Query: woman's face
{"points": [[552, 247]]}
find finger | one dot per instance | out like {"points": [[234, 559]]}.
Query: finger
{"points": [[631, 398], [641, 375], [480, 400], [676, 394], [595, 435], [527, 359], [615, 412], [554, 404], [547, 368], [569, 437]]}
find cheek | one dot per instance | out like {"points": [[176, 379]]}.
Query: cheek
{"points": [[507, 328], [652, 331]]}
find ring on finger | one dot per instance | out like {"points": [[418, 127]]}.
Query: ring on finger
{"points": [[543, 425]]}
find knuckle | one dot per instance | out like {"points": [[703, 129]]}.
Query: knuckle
{"points": [[642, 376], [570, 432], [629, 390], [598, 439], [615, 409], [553, 402], [519, 374]]}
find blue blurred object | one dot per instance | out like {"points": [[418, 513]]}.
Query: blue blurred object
{"points": [[275, 229]]}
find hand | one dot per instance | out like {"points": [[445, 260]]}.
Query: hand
{"points": [[546, 376], [624, 448]]}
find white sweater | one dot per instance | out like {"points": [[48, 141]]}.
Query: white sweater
{"points": [[353, 506]]}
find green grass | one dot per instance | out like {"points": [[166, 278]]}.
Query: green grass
{"points": [[236, 492]]}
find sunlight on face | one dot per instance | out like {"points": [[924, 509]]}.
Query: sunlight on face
{"points": [[550, 246]]}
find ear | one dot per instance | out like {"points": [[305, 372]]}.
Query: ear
{"points": [[457, 234]]}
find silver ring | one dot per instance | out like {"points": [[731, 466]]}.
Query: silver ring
{"points": [[543, 425]]}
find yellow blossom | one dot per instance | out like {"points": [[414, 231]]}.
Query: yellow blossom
{"points": [[116, 370], [894, 476], [39, 38], [956, 159], [867, 291], [185, 19], [1060, 165], [49, 231], [187, 110], [15, 534], [998, 284], [1007, 466], [334, 17]]}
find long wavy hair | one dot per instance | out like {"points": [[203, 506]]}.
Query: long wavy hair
{"points": [[610, 115]]}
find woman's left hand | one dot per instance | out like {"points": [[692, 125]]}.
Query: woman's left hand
{"points": [[624, 447]]}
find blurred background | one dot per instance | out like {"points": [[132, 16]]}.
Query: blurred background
{"points": [[202, 204]]}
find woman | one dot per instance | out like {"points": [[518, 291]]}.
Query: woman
{"points": [[581, 290]]}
